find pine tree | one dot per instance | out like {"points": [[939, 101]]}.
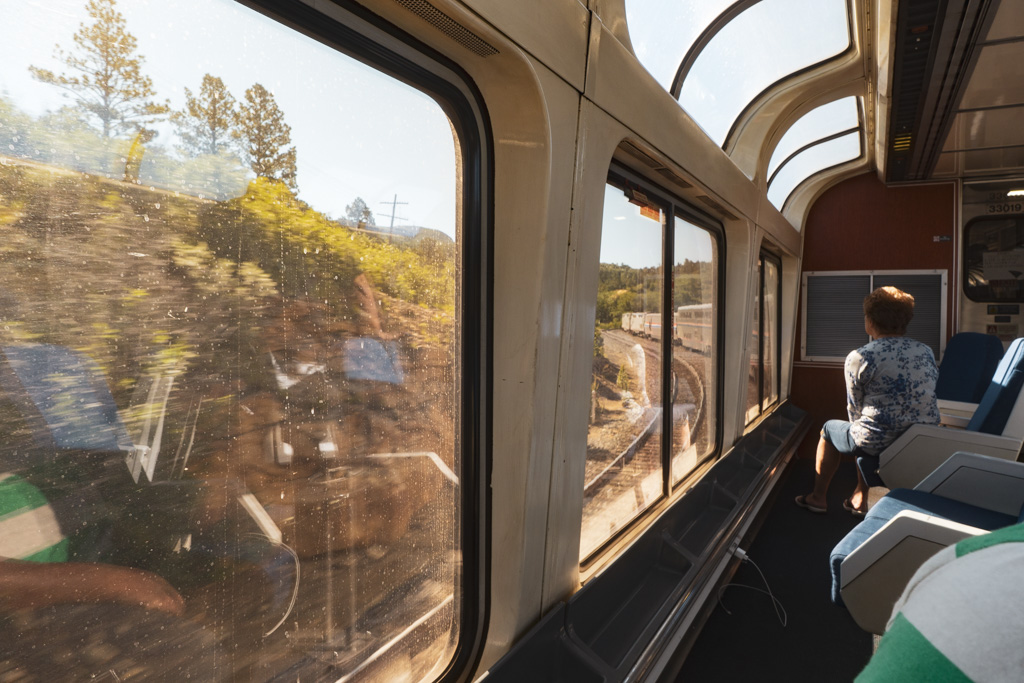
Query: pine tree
{"points": [[206, 123], [264, 136], [358, 212], [109, 84]]}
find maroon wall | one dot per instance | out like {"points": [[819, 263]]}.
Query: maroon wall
{"points": [[860, 224]]}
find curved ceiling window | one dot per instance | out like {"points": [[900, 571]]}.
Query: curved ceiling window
{"points": [[765, 43], [826, 121], [663, 31], [830, 152]]}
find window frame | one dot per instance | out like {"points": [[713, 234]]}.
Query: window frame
{"points": [[622, 176], [764, 256], [964, 265], [368, 38]]}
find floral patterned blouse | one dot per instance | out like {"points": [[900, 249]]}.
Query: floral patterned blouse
{"points": [[890, 385]]}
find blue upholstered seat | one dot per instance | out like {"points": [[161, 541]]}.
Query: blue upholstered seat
{"points": [[899, 500], [1003, 389], [969, 361], [997, 403]]}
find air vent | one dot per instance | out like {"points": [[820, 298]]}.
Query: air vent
{"points": [[716, 207], [649, 161], [451, 28]]}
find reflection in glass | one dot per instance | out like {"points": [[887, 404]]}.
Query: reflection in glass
{"points": [[809, 162], [762, 382], [236, 410], [819, 123], [694, 347], [753, 405], [662, 31], [623, 470], [770, 353], [767, 42], [994, 258]]}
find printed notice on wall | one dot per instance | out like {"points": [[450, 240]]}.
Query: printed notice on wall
{"points": [[1005, 332], [1003, 265]]}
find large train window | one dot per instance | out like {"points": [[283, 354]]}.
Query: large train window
{"points": [[763, 378], [821, 139], [751, 47], [238, 289], [994, 259], [645, 313]]}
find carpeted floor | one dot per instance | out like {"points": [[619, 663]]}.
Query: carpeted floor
{"points": [[820, 642]]}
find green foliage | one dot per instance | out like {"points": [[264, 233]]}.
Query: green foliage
{"points": [[265, 137], [206, 123], [598, 344], [622, 289], [693, 283], [622, 379], [106, 80], [311, 256]]}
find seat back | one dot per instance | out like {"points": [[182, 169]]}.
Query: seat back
{"points": [[970, 360], [63, 397], [1002, 393]]}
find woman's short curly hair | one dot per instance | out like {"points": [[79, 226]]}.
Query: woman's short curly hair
{"points": [[889, 309]]}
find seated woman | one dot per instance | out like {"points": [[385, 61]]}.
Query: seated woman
{"points": [[890, 385]]}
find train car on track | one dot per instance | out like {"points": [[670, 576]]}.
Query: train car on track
{"points": [[327, 347]]}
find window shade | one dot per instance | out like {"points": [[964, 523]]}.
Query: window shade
{"points": [[834, 312]]}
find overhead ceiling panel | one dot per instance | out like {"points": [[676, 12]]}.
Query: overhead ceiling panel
{"points": [[986, 128], [996, 78], [958, 90], [1008, 21]]}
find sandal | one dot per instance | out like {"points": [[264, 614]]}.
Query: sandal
{"points": [[848, 506], [801, 501]]}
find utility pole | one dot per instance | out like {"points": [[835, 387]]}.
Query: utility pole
{"points": [[394, 204]]}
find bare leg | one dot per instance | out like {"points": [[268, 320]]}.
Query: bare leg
{"points": [[859, 497], [826, 462]]}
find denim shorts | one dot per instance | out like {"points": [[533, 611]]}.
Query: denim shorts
{"points": [[837, 433]]}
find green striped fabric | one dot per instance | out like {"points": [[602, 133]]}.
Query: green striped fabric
{"points": [[28, 528], [960, 617], [906, 655]]}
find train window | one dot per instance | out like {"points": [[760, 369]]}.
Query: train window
{"points": [[232, 376], [827, 120], [814, 159], [694, 346], [833, 312], [624, 465], [765, 43], [645, 314], [663, 31], [763, 382], [994, 258]]}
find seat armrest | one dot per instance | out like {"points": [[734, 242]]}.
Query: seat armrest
{"points": [[991, 483], [874, 575], [956, 413], [922, 448]]}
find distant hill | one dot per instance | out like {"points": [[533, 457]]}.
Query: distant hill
{"points": [[405, 233]]}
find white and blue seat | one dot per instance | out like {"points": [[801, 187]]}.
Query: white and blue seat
{"points": [[967, 495], [996, 429]]}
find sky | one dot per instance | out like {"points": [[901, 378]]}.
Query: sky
{"points": [[357, 132], [767, 41], [632, 239]]}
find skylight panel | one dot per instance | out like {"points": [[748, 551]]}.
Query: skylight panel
{"points": [[810, 161], [769, 41], [662, 31], [818, 123]]}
